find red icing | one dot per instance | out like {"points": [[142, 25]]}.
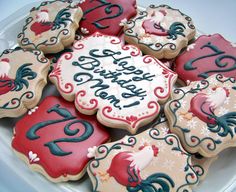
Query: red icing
{"points": [[129, 10], [207, 63], [6, 81], [56, 166], [195, 107], [119, 168], [40, 27], [149, 27]]}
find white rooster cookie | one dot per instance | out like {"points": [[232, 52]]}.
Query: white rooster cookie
{"points": [[141, 163], [160, 31], [23, 75], [203, 115], [51, 26]]}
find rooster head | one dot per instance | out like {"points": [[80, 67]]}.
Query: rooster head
{"points": [[150, 147], [4, 67], [42, 16], [227, 92]]}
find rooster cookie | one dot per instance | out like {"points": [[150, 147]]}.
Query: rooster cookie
{"points": [[106, 16], [200, 164], [115, 81], [51, 26], [55, 138], [145, 162], [160, 31], [203, 115], [23, 75], [208, 55]]}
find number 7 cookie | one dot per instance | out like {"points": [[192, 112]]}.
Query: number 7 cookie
{"points": [[115, 81]]}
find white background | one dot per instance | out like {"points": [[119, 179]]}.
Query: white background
{"points": [[209, 16]]}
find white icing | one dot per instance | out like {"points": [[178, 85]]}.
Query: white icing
{"points": [[217, 98], [33, 157], [92, 152], [155, 68], [191, 46], [4, 68], [32, 110], [84, 30], [137, 158], [123, 22]]}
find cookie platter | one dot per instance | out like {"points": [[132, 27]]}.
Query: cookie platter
{"points": [[221, 176]]}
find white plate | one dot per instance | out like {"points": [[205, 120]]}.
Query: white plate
{"points": [[221, 177]]}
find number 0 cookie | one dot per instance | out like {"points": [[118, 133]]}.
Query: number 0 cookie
{"points": [[160, 31], [51, 26], [23, 75], [54, 139], [115, 81]]}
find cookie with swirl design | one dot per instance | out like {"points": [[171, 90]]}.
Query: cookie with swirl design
{"points": [[160, 31], [149, 161], [203, 115], [51, 26], [23, 75], [208, 55], [54, 138]]}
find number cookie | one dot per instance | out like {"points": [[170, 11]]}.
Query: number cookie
{"points": [[203, 115], [54, 139], [145, 162], [208, 55], [51, 26], [106, 16], [115, 81], [23, 75], [160, 31]]}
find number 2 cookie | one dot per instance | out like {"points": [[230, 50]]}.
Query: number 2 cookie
{"points": [[115, 81], [54, 139], [23, 75], [160, 31], [142, 163], [208, 55], [51, 26], [203, 115]]}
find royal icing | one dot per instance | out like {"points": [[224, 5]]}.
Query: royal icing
{"points": [[160, 30], [23, 74], [105, 16], [51, 26], [115, 81], [208, 55], [121, 166], [56, 137], [206, 123]]}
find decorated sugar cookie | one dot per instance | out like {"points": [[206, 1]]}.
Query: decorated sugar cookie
{"points": [[145, 162], [160, 31], [23, 75], [51, 26], [54, 139], [208, 55], [200, 164], [115, 81], [203, 115], [106, 16]]}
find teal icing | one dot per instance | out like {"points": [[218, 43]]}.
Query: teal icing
{"points": [[158, 182], [108, 10], [176, 29], [53, 145], [62, 19], [66, 116]]}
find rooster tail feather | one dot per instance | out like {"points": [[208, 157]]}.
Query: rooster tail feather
{"points": [[176, 29], [223, 124], [23, 74], [61, 19], [150, 184]]}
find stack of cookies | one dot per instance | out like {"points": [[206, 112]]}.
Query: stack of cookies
{"points": [[117, 67]]}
